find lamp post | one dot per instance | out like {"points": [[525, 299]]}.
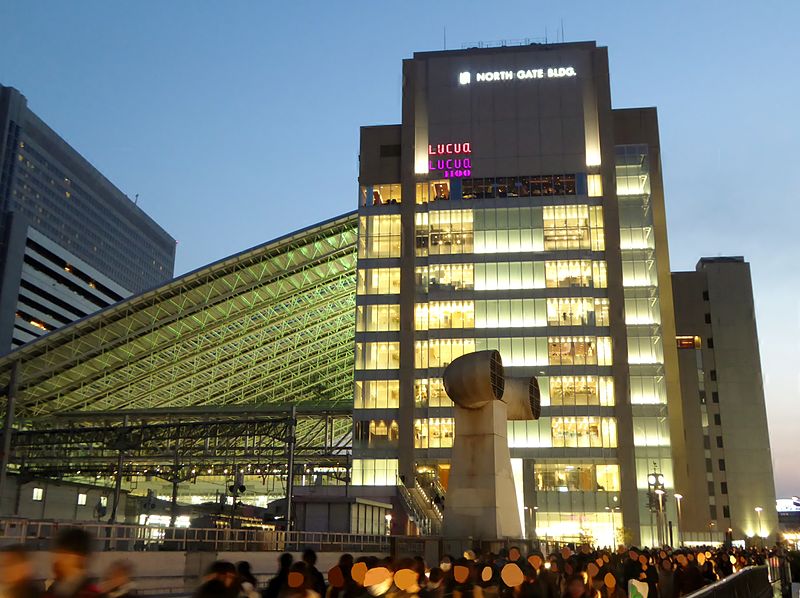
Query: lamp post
{"points": [[760, 530], [678, 499], [388, 524]]}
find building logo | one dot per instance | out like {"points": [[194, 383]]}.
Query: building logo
{"points": [[450, 160], [465, 77]]}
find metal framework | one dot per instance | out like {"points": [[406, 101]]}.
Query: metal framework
{"points": [[265, 329]]}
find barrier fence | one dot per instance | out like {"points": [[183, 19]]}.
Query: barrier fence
{"points": [[38, 535]]}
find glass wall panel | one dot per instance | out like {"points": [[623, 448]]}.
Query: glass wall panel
{"points": [[378, 356], [431, 393], [437, 353], [379, 236], [438, 315], [579, 350], [573, 227], [377, 394], [510, 313], [577, 477], [586, 432], [375, 433], [581, 390], [378, 281], [446, 277], [642, 310], [374, 472], [377, 318], [509, 275], [434, 433]]}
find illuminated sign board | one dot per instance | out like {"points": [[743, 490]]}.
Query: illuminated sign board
{"points": [[450, 160], [466, 77]]}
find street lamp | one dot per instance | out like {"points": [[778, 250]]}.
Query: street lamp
{"points": [[388, 524], [678, 499]]}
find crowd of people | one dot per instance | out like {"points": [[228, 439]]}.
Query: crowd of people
{"points": [[572, 572]]}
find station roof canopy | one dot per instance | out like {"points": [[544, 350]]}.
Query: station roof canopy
{"points": [[270, 326]]}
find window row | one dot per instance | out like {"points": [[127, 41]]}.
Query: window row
{"points": [[645, 350], [565, 432], [651, 431], [530, 351], [632, 170], [512, 275], [374, 472], [510, 230], [642, 311], [379, 236], [576, 477], [378, 356], [511, 313], [429, 392]]}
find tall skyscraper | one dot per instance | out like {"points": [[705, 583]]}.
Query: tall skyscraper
{"points": [[71, 241], [729, 460], [514, 209]]}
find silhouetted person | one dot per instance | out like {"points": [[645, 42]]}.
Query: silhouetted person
{"points": [[315, 579], [219, 582], [118, 582], [71, 551], [276, 584], [16, 574]]}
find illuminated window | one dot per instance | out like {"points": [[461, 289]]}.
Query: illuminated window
{"points": [[445, 277], [81, 499], [632, 170], [581, 390], [577, 477], [38, 494], [509, 275], [645, 350], [444, 232], [376, 433], [640, 310], [573, 227], [650, 431], [377, 195], [377, 394], [445, 315], [378, 356], [574, 312], [378, 281], [103, 501], [433, 191], [592, 432], [579, 350], [431, 393], [379, 236], [595, 185], [688, 342], [377, 318], [510, 313], [433, 433], [575, 273], [374, 472], [439, 353]]}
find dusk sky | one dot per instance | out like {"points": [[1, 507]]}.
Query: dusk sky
{"points": [[237, 122]]}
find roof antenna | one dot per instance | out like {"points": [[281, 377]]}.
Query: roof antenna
{"points": [[444, 36], [136, 199], [562, 32]]}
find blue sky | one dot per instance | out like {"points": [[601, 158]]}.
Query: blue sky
{"points": [[237, 121]]}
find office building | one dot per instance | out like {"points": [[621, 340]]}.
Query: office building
{"points": [[515, 209], [52, 198], [729, 462]]}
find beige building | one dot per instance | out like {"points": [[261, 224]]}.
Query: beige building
{"points": [[731, 491]]}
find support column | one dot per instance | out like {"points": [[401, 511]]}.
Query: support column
{"points": [[290, 445], [8, 425], [175, 470], [118, 481]]}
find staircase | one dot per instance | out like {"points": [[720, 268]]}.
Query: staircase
{"points": [[419, 504]]}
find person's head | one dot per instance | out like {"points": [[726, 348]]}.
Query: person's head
{"points": [[309, 557], [244, 570], [223, 571], [285, 561], [436, 577], [576, 586], [119, 574], [15, 565], [71, 551], [297, 579], [666, 564]]}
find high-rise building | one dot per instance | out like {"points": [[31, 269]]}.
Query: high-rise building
{"points": [[66, 231], [515, 209], [729, 462]]}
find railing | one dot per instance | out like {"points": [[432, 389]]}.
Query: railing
{"points": [[422, 521], [40, 534], [750, 582]]}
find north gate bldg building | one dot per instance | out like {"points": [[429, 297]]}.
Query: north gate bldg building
{"points": [[515, 209]]}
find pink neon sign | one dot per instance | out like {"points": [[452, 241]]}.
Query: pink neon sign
{"points": [[459, 165]]}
